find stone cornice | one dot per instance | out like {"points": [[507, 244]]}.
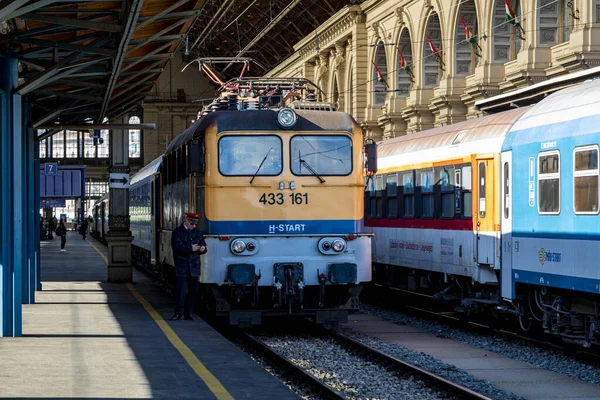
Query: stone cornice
{"points": [[330, 31]]}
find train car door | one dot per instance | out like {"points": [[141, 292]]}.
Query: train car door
{"points": [[484, 221], [506, 211]]}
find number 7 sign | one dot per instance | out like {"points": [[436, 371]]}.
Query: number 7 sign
{"points": [[51, 169]]}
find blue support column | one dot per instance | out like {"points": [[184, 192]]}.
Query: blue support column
{"points": [[32, 225], [12, 162], [36, 202]]}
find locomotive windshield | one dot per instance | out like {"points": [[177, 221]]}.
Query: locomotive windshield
{"points": [[243, 155], [326, 155]]}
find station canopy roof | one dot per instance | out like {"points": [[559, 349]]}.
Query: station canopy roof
{"points": [[94, 60], [264, 30]]}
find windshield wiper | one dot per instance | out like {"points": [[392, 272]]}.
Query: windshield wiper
{"points": [[311, 169], [260, 166]]}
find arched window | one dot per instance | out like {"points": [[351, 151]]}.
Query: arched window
{"points": [[380, 85], [403, 76], [506, 37], [466, 43], [134, 139], [431, 61]]}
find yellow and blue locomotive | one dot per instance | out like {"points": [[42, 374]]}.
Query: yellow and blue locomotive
{"points": [[278, 179]]}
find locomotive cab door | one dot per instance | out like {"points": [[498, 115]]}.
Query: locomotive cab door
{"points": [[485, 235]]}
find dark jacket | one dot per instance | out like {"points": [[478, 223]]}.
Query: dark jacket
{"points": [[186, 261]]}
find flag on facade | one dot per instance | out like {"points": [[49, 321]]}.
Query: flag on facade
{"points": [[403, 64], [435, 51], [512, 19], [470, 38], [379, 74]]}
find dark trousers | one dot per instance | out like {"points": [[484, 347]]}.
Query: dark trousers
{"points": [[186, 301], [63, 240]]}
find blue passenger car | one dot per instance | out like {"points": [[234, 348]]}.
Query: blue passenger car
{"points": [[550, 221]]}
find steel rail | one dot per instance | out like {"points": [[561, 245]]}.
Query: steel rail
{"points": [[400, 365], [316, 384]]}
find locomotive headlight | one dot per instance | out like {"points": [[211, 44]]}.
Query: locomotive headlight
{"points": [[238, 246], [326, 246], [338, 245], [286, 118]]}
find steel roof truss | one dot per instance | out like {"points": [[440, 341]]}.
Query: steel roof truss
{"points": [[138, 73], [150, 56], [159, 34], [94, 99], [68, 46], [161, 14], [78, 23]]}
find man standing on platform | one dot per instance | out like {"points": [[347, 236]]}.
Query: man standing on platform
{"points": [[187, 243]]}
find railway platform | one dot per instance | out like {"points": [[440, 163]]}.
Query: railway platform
{"points": [[85, 338], [522, 379]]}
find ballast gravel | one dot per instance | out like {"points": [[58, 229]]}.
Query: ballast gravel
{"points": [[547, 359], [348, 373]]}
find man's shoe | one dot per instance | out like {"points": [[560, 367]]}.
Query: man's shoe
{"points": [[175, 317], [188, 318]]}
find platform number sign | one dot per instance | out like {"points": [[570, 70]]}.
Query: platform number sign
{"points": [[51, 169]]}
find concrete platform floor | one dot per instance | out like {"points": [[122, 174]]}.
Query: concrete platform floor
{"points": [[85, 338], [510, 375]]}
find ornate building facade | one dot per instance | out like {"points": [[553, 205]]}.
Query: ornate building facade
{"points": [[402, 66]]}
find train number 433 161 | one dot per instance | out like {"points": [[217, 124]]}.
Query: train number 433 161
{"points": [[279, 198]]}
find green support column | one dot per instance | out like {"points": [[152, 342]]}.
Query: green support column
{"points": [[12, 178]]}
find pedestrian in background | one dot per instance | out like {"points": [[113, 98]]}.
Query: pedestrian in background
{"points": [[187, 243], [84, 227], [62, 232]]}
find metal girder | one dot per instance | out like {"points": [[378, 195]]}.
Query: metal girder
{"points": [[158, 39], [134, 13], [47, 74], [67, 95], [78, 23], [77, 82], [126, 99], [67, 46], [42, 30], [52, 74], [160, 14], [150, 56], [7, 7], [138, 73], [16, 12], [142, 82], [159, 34], [179, 14]]}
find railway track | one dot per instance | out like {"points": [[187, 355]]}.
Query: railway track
{"points": [[456, 391], [591, 357], [399, 368], [300, 375]]}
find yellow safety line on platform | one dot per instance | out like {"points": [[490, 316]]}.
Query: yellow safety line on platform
{"points": [[209, 379]]}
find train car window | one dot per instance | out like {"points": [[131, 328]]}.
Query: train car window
{"points": [[378, 196], [549, 182], [392, 195], [426, 182], [506, 193], [585, 175], [482, 185], [408, 185], [248, 155], [445, 177], [324, 154], [467, 195]]}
